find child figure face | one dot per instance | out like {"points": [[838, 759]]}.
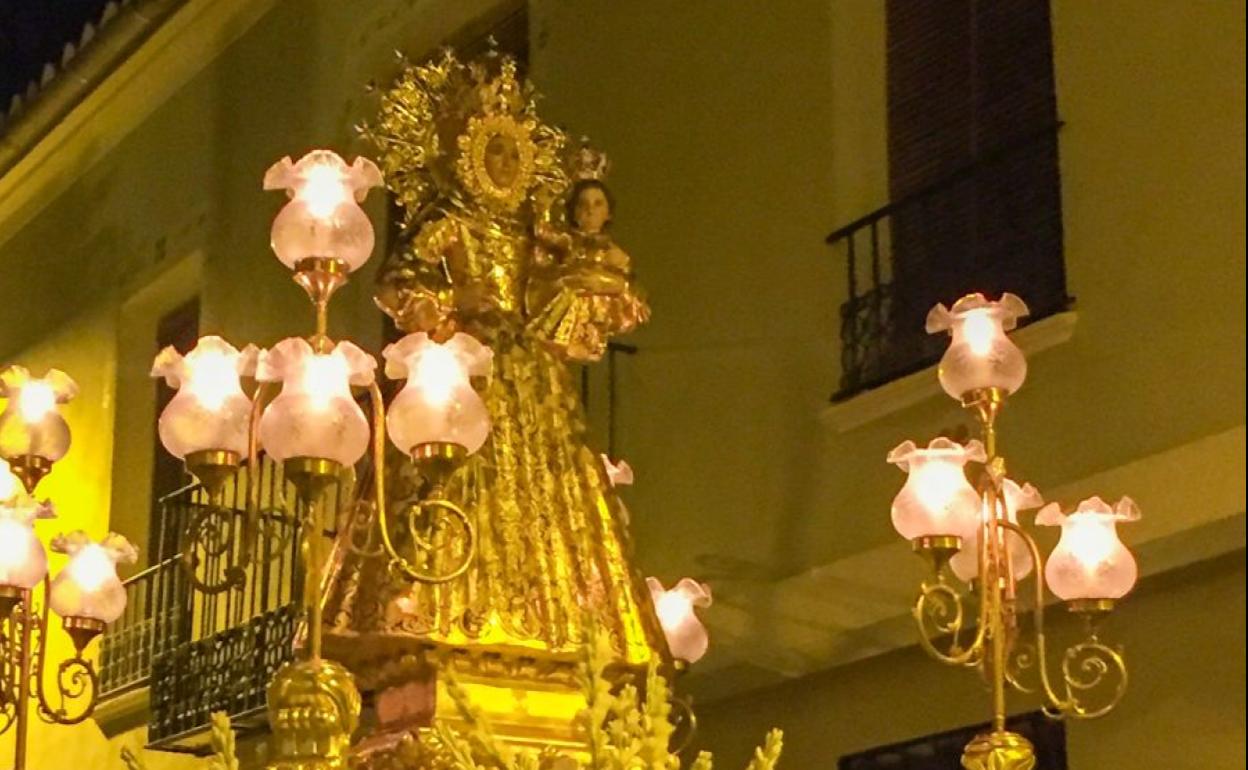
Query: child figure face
{"points": [[592, 210]]}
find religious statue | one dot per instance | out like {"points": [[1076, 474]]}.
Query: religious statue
{"points": [[582, 292], [505, 238]]}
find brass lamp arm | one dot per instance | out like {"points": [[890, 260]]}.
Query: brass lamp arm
{"points": [[433, 505], [1084, 665], [76, 679]]}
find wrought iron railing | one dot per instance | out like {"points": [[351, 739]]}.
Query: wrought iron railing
{"points": [[203, 651], [994, 225]]}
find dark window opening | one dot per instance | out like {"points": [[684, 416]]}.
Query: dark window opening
{"points": [[943, 751], [973, 178], [179, 328]]}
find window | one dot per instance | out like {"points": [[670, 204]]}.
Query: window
{"points": [[973, 178], [179, 328], [944, 750]]}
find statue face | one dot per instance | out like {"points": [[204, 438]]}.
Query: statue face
{"points": [[592, 210], [502, 160]]}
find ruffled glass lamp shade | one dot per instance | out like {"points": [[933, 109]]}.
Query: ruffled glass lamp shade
{"points": [[937, 500], [686, 636], [323, 218], [88, 588], [23, 561], [314, 415], [965, 563], [31, 425], [980, 356], [438, 404], [1090, 562], [210, 410]]}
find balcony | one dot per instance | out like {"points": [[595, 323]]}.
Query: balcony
{"points": [[192, 651], [992, 226]]}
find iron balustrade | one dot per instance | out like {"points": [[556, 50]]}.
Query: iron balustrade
{"points": [[991, 226], [200, 652]]}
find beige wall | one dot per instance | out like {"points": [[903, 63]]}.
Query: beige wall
{"points": [[1184, 709], [741, 133]]}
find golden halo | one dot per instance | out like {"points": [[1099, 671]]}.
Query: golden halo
{"points": [[471, 167]]}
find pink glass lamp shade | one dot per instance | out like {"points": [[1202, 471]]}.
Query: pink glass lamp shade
{"points": [[1090, 562], [23, 560], [937, 500], [980, 355], [315, 416], [323, 218], [438, 404], [88, 587], [965, 563], [210, 410], [676, 607], [31, 424]]}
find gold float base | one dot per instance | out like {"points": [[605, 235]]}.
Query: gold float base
{"points": [[82, 631], [213, 467], [311, 475], [999, 751]]}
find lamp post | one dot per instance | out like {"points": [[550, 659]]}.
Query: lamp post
{"points": [[973, 532], [87, 593]]}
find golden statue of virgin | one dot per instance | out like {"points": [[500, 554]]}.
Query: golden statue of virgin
{"points": [[505, 239]]}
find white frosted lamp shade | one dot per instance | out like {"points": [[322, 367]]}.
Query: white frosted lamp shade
{"points": [[676, 608], [210, 410], [10, 485], [980, 354], [31, 423], [438, 403], [88, 586], [314, 415], [1090, 562], [936, 500], [965, 563], [323, 217], [23, 561]]}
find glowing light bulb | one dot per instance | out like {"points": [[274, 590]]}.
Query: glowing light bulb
{"points": [[323, 218], [980, 331], [980, 355], [88, 587], [324, 189], [936, 500], [1090, 562], [36, 400], [438, 404], [315, 415], [965, 563], [676, 610], [210, 410], [31, 424]]}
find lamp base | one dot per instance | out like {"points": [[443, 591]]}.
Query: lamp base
{"points": [[937, 549], [311, 475], [999, 750], [436, 461], [213, 467], [82, 631], [30, 469], [10, 597]]}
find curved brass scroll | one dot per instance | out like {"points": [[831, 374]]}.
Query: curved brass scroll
{"points": [[426, 520]]}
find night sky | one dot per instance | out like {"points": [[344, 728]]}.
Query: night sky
{"points": [[33, 32]]}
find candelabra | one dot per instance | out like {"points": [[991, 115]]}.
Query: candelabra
{"points": [[973, 532], [316, 430], [87, 593]]}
